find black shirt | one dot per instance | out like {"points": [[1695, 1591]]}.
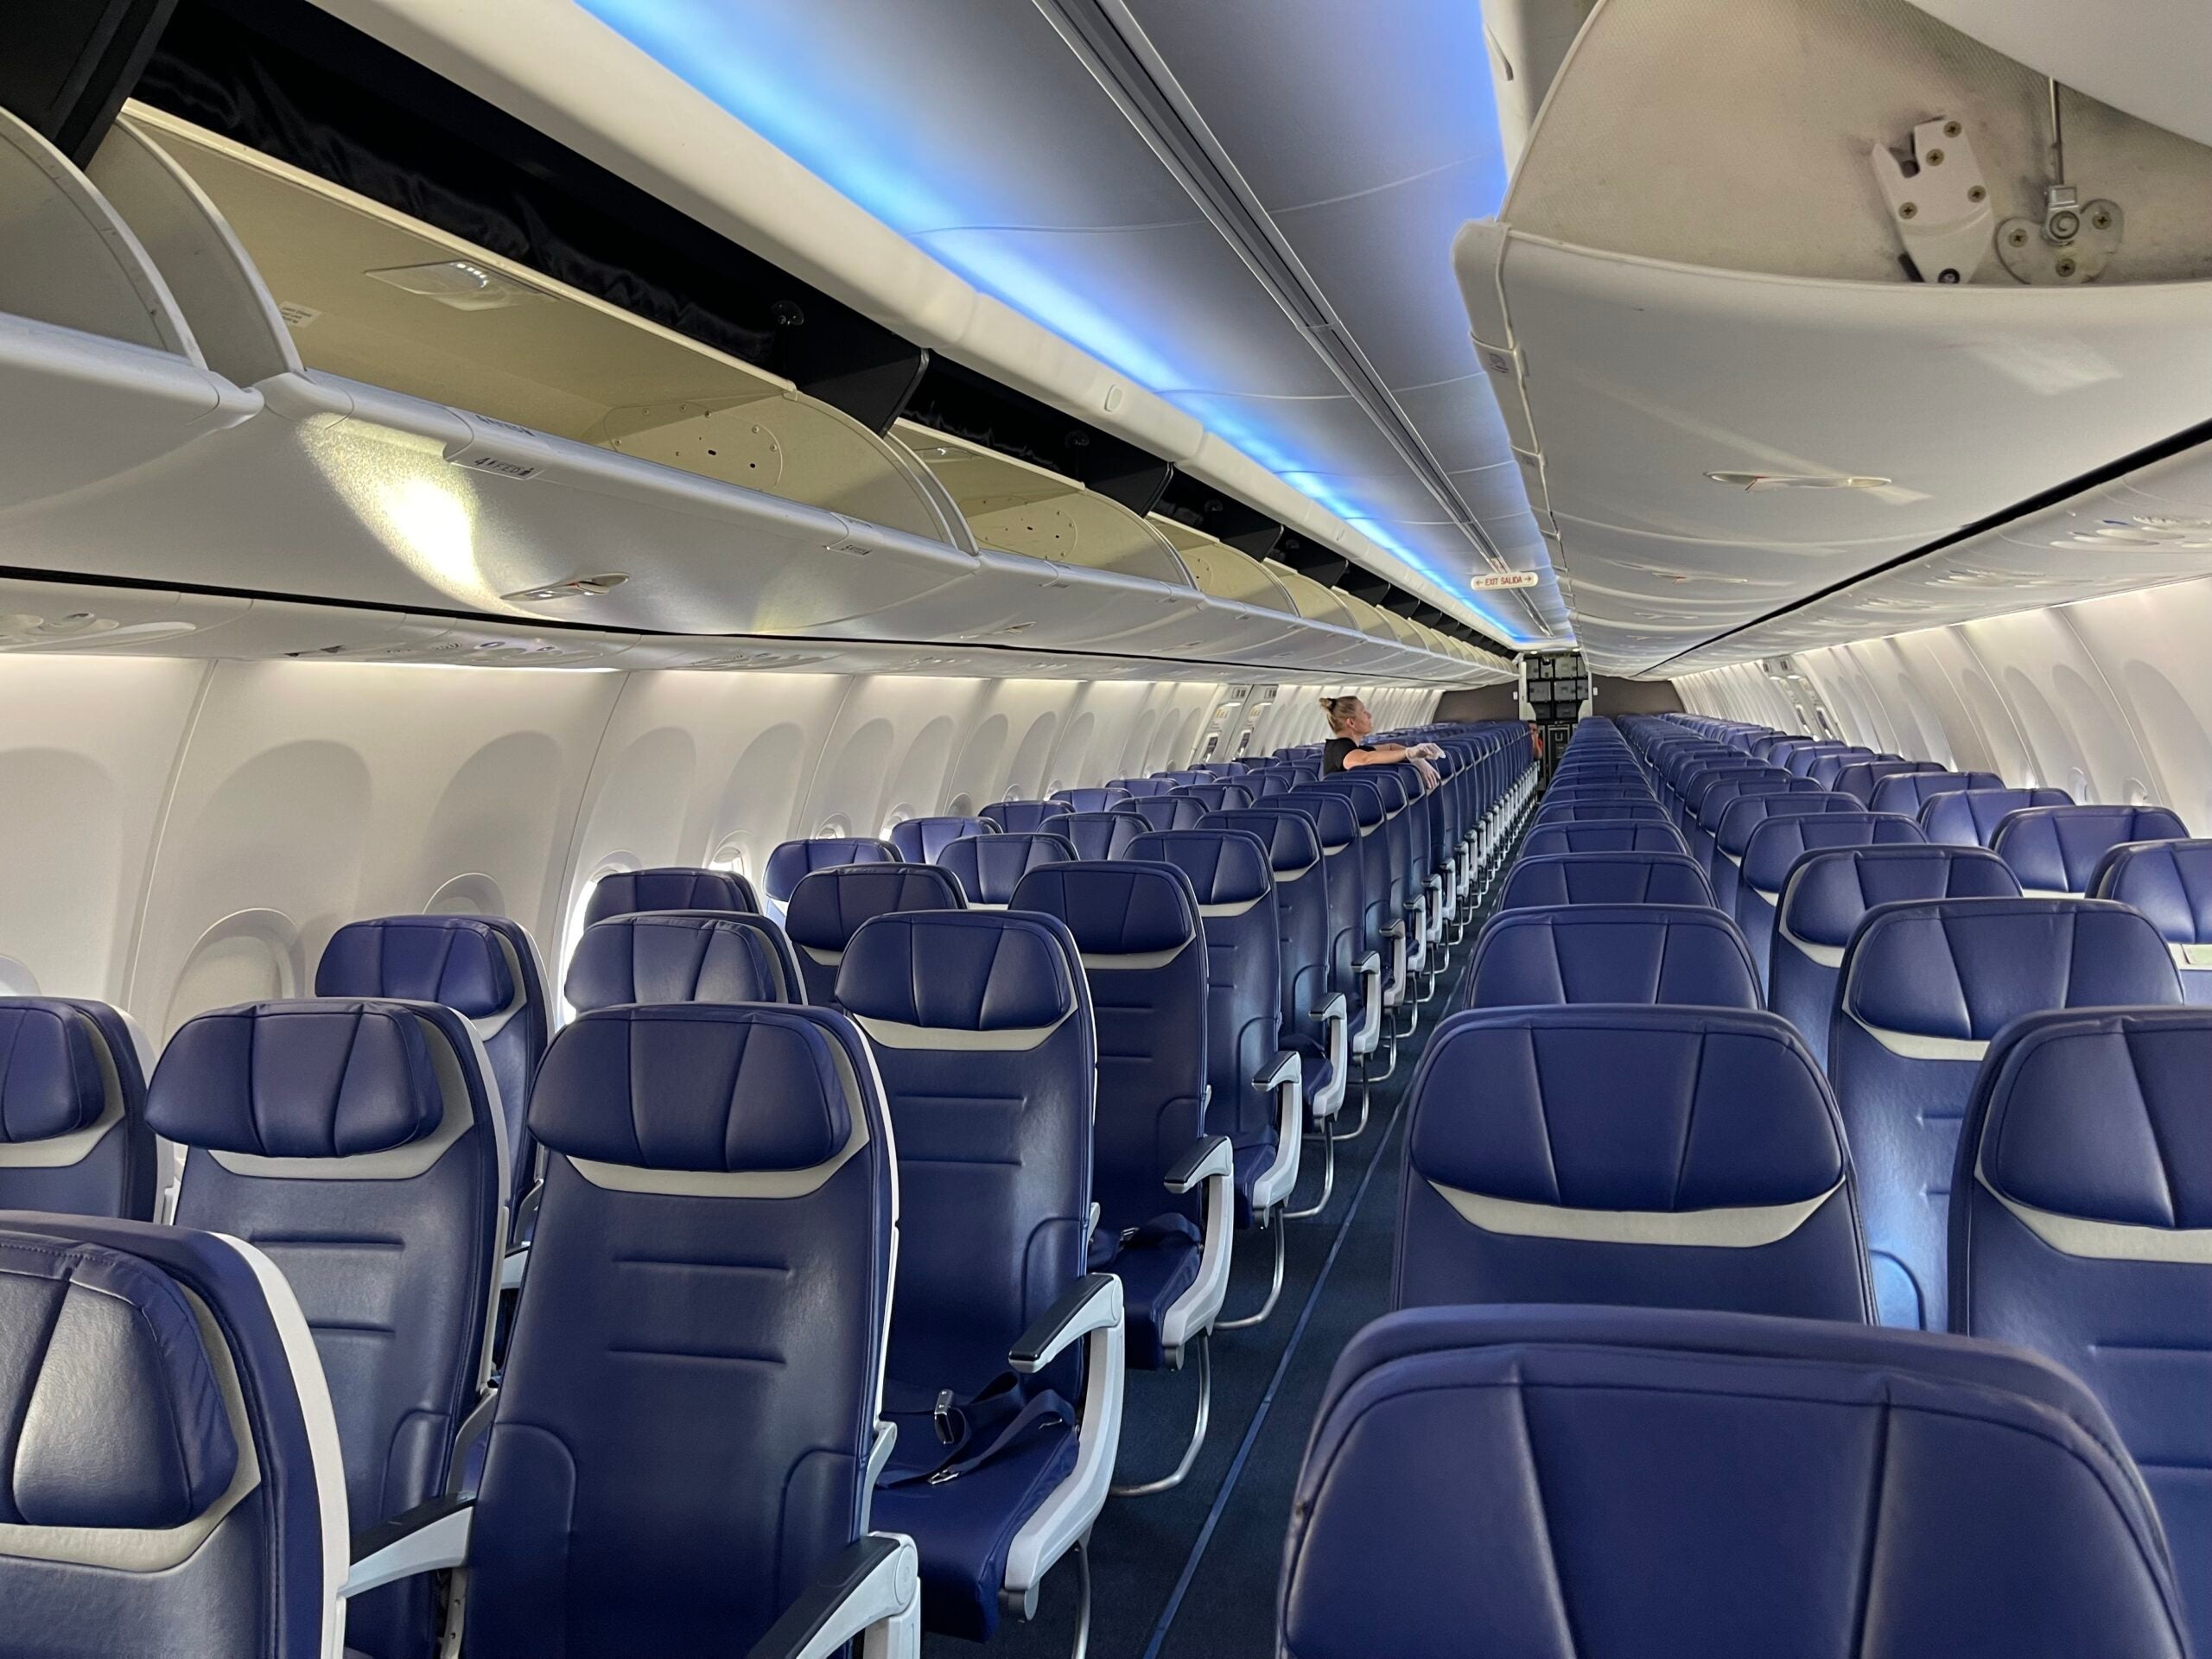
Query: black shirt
{"points": [[1333, 752]]}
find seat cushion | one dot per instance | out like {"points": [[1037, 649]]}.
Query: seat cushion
{"points": [[1155, 1267]]}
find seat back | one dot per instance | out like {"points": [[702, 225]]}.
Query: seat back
{"points": [[1775, 845], [1605, 879], [1909, 792], [2170, 882], [1614, 1481], [1363, 810], [1732, 832], [1803, 759], [1970, 817], [829, 906], [1095, 835], [1342, 870], [1302, 885], [1218, 797], [1624, 811], [920, 839], [1660, 1157], [792, 861], [1379, 801], [1925, 987], [684, 1422], [1617, 837], [1828, 893], [359, 1144], [1232, 878], [1020, 817], [1860, 778], [171, 1483], [989, 868], [626, 893], [486, 969], [1091, 800], [1178, 811], [1141, 788], [1827, 768], [2057, 848], [1137, 940], [2081, 1228], [73, 1137], [677, 956], [981, 1030], [1682, 954]]}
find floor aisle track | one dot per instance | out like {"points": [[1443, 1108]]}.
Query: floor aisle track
{"points": [[1230, 1517]]}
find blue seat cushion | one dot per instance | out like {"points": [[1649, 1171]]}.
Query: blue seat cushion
{"points": [[963, 1528], [1155, 1267]]}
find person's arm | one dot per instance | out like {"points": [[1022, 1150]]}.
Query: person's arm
{"points": [[1382, 754]]}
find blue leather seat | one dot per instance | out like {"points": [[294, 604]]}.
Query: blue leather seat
{"points": [[1555, 838], [1664, 1157], [358, 1144], [1774, 847], [1731, 834], [1605, 879], [2081, 1228], [1384, 874], [1141, 788], [73, 1137], [1355, 966], [920, 839], [1257, 1082], [171, 1467], [1677, 1486], [626, 893], [1679, 954], [1166, 811], [1702, 781], [1624, 811], [2057, 848], [487, 970], [829, 905], [1970, 817], [1828, 768], [1020, 817], [1860, 778], [675, 956], [791, 862], [1266, 781], [1316, 1017], [989, 868], [981, 1030], [1095, 835], [1828, 893], [1802, 761], [681, 1454], [2170, 882], [1371, 943], [1218, 797], [1925, 988], [1914, 790], [1721, 793], [1091, 800]]}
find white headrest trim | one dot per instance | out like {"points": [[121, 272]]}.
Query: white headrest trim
{"points": [[1828, 956], [1235, 908], [1132, 961], [1745, 1227], [893, 1034], [1916, 1045], [2107, 1241]]}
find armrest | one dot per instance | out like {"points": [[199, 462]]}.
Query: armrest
{"points": [[1094, 1304], [1212, 1155], [1370, 963], [512, 1265], [474, 1427], [1284, 1068], [874, 1580], [1396, 931], [1335, 1008], [428, 1538]]}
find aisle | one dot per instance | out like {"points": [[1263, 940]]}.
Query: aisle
{"points": [[1190, 1574]]}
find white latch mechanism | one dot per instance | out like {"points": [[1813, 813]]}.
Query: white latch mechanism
{"points": [[1938, 201]]}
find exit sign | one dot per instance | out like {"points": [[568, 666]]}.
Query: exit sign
{"points": [[1502, 579]]}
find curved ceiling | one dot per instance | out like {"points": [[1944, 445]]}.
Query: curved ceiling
{"points": [[1244, 206]]}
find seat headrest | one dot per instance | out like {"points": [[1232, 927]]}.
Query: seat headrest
{"points": [[697, 1086], [1091, 800], [827, 907], [1608, 1480], [1552, 839], [1959, 970], [958, 971], [1829, 893], [1600, 811], [1908, 791], [1019, 818], [1732, 830], [1293, 842], [51, 1080], [1095, 835], [1682, 954], [1605, 878], [792, 861], [2099, 1116], [681, 956], [1779, 843], [1139, 788], [2057, 848], [1117, 907], [1607, 1107], [122, 1420], [2169, 881], [625, 892], [324, 1078], [1334, 819], [460, 961], [989, 868], [1364, 795], [1170, 812], [920, 839], [1228, 868], [1969, 817]]}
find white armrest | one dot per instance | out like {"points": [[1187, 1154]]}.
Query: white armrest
{"points": [[1213, 1163], [1066, 1517], [871, 1592], [431, 1537], [1280, 1179]]}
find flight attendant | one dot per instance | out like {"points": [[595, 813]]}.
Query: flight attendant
{"points": [[1350, 724]]}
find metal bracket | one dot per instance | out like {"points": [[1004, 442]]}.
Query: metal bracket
{"points": [[1938, 201], [2071, 246]]}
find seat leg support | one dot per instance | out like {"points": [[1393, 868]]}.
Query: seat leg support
{"points": [[1169, 1482], [1328, 1177], [1274, 1287]]}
